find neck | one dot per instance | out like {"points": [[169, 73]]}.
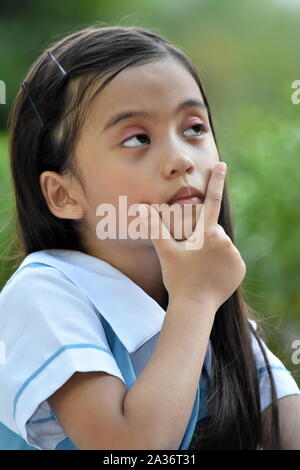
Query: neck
{"points": [[141, 265]]}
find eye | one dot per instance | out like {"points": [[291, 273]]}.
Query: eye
{"points": [[133, 137], [202, 129]]}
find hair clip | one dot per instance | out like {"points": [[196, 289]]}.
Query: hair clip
{"points": [[24, 86], [59, 66]]}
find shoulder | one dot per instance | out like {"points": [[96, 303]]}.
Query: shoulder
{"points": [[51, 330], [262, 353], [41, 301], [284, 381], [39, 283], [33, 275], [257, 338]]}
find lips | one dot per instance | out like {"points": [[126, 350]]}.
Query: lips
{"points": [[185, 193]]}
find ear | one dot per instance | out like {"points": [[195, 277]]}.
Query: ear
{"points": [[61, 202]]}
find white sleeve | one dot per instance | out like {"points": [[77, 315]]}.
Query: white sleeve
{"points": [[50, 330], [284, 382]]}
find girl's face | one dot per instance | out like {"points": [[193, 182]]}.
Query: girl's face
{"points": [[147, 157]]}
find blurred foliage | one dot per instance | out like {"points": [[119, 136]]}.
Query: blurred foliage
{"points": [[247, 55]]}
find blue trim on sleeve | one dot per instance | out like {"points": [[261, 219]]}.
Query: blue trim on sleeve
{"points": [[43, 420], [263, 369], [51, 358], [52, 417]]}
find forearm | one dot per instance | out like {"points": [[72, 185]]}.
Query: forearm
{"points": [[158, 406]]}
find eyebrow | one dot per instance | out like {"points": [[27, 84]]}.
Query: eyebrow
{"points": [[190, 103]]}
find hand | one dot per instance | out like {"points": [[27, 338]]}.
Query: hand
{"points": [[216, 269]]}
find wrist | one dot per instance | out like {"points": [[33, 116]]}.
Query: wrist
{"points": [[204, 301]]}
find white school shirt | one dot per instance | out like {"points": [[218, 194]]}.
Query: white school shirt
{"points": [[50, 325]]}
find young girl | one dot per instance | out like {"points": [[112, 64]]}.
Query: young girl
{"points": [[123, 342]]}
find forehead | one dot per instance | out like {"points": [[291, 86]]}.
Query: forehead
{"points": [[154, 86]]}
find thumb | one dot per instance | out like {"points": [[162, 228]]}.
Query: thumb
{"points": [[156, 229]]}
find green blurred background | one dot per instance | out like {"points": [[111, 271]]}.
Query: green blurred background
{"points": [[248, 55]]}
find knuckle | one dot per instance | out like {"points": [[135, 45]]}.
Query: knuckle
{"points": [[211, 233], [215, 232], [240, 261], [243, 270], [235, 251], [227, 242], [243, 264], [216, 199]]}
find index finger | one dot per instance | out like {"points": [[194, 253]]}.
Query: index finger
{"points": [[214, 194]]}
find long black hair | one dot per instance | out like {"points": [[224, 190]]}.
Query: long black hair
{"points": [[233, 403]]}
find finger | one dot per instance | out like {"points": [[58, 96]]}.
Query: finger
{"points": [[196, 239], [156, 229], [213, 197]]}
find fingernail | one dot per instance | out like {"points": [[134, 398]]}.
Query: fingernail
{"points": [[221, 167], [143, 211]]}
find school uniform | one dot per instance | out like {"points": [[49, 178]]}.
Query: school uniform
{"points": [[63, 311]]}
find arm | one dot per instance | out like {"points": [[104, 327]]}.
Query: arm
{"points": [[289, 423], [155, 411], [97, 412]]}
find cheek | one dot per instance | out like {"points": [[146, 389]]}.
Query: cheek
{"points": [[213, 151], [106, 189]]}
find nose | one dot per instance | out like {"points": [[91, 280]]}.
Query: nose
{"points": [[176, 161], [178, 165]]}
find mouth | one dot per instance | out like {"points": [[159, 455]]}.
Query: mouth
{"points": [[186, 195], [187, 200]]}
